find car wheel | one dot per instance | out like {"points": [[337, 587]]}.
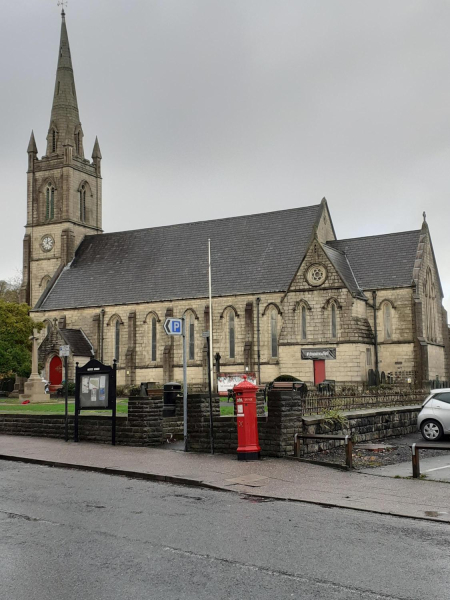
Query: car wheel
{"points": [[431, 431]]}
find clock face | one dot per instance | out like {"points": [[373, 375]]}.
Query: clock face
{"points": [[47, 243]]}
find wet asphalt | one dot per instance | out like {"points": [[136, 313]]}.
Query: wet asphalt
{"points": [[70, 535]]}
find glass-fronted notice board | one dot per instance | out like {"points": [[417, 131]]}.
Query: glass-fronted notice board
{"points": [[94, 391]]}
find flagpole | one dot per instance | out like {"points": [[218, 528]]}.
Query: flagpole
{"points": [[211, 354]]}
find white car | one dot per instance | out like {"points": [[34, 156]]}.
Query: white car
{"points": [[433, 420]]}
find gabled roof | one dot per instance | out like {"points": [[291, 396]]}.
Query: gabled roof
{"points": [[381, 261], [249, 254], [340, 261], [78, 342]]}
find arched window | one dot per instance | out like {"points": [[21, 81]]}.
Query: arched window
{"points": [[83, 203], [191, 329], [44, 281], [430, 308], [53, 140], [59, 86], [274, 334], [387, 320], [154, 340], [77, 142], [117, 340], [303, 325], [49, 202], [231, 334], [333, 320]]}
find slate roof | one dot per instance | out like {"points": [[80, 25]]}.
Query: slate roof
{"points": [[340, 261], [78, 342], [381, 261], [249, 254]]}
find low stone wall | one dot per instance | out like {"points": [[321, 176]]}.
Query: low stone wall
{"points": [[145, 425], [142, 427], [363, 426], [276, 431]]}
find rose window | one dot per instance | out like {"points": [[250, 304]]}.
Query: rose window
{"points": [[316, 275]]}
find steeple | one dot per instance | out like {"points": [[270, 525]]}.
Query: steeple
{"points": [[64, 190], [65, 119]]}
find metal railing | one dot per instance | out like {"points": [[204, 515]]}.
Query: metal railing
{"points": [[313, 405]]}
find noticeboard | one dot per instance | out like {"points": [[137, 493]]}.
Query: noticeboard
{"points": [[95, 389], [95, 386], [227, 381]]}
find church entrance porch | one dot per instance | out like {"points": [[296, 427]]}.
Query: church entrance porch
{"points": [[55, 371]]}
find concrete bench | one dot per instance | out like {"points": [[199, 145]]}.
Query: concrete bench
{"points": [[423, 446], [312, 436]]}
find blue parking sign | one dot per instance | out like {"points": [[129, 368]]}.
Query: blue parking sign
{"points": [[173, 326]]}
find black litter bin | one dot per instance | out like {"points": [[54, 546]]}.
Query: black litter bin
{"points": [[171, 391], [327, 387]]}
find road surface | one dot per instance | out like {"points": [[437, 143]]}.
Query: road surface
{"points": [[72, 535]]}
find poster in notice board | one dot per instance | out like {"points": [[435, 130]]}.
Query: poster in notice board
{"points": [[94, 391], [227, 381]]}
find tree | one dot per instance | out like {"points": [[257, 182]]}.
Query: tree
{"points": [[16, 328], [10, 288]]}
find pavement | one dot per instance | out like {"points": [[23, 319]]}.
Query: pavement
{"points": [[436, 468], [282, 479]]}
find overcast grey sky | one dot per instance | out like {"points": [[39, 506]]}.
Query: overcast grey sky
{"points": [[214, 108]]}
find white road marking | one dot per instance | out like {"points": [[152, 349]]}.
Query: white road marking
{"points": [[437, 469]]}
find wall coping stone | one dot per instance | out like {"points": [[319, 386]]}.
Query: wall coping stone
{"points": [[367, 412]]}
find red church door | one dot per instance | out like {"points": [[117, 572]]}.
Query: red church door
{"points": [[319, 371], [55, 373]]}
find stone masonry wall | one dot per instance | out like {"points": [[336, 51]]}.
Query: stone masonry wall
{"points": [[363, 426], [276, 431], [142, 427]]}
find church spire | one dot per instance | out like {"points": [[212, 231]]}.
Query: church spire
{"points": [[65, 119]]}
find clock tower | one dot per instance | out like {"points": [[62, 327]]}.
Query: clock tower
{"points": [[64, 189]]}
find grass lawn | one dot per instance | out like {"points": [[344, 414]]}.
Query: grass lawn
{"points": [[10, 405], [56, 407], [226, 411]]}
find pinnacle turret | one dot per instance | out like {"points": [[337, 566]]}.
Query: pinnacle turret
{"points": [[32, 148], [96, 151]]}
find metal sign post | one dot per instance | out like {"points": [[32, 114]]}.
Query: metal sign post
{"points": [[64, 352], [185, 429], [174, 326], [206, 335], [66, 401]]}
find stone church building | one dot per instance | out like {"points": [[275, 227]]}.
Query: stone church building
{"points": [[288, 296]]}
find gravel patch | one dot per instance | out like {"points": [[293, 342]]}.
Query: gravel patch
{"points": [[363, 459]]}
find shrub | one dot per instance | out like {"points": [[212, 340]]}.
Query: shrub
{"points": [[70, 388], [134, 390], [122, 390], [286, 378], [334, 417]]}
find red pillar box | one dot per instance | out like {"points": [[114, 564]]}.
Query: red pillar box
{"points": [[247, 421]]}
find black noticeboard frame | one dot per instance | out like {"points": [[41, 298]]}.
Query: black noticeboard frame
{"points": [[97, 381]]}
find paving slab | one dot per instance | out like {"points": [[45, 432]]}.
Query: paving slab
{"points": [[436, 468], [282, 479]]}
